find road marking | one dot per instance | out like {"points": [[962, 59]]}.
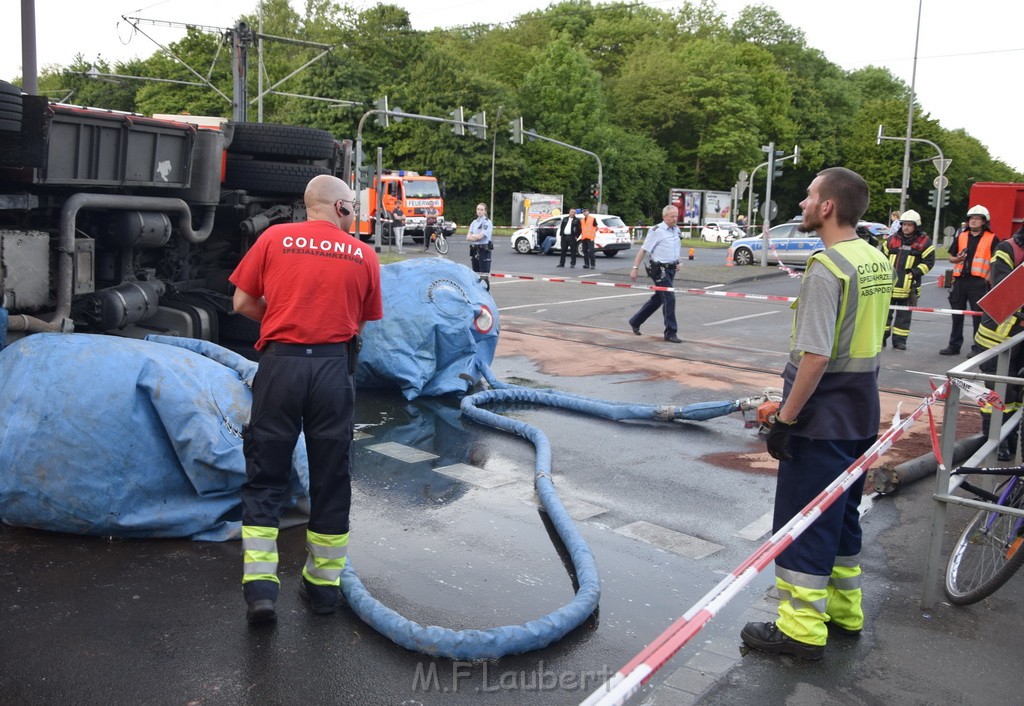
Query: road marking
{"points": [[739, 318], [476, 476], [574, 301], [714, 286], [577, 509], [669, 540], [756, 529], [402, 452]]}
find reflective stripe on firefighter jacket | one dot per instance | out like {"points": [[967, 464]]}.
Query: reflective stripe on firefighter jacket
{"points": [[910, 260], [326, 558], [259, 554], [863, 308], [980, 265], [991, 333]]}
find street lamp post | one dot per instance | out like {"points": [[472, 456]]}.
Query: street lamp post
{"points": [[941, 163]]}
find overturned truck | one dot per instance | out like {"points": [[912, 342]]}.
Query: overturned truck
{"points": [[116, 223]]}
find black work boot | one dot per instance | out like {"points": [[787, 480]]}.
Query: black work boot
{"points": [[767, 637], [1004, 454], [322, 600], [261, 612]]}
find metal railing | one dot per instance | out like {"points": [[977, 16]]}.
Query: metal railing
{"points": [[945, 484]]}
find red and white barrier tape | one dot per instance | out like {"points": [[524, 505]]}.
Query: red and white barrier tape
{"points": [[707, 293], [627, 681]]}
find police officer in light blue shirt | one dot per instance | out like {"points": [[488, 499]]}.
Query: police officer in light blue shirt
{"points": [[480, 245], [662, 244]]}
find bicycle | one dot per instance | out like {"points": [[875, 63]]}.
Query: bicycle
{"points": [[991, 548], [439, 235]]}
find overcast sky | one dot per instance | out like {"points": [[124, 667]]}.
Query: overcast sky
{"points": [[970, 57]]}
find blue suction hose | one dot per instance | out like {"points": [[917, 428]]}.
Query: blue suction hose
{"points": [[536, 634]]}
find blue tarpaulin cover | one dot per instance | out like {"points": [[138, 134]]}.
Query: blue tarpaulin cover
{"points": [[438, 334], [102, 435]]}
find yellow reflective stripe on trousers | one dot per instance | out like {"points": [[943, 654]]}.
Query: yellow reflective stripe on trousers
{"points": [[802, 608], [845, 595], [259, 554], [326, 558]]}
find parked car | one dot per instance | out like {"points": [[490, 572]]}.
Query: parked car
{"points": [[872, 232], [612, 235], [788, 245], [721, 232]]}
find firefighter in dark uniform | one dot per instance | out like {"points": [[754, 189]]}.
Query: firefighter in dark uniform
{"points": [[311, 286], [912, 255], [1009, 254]]}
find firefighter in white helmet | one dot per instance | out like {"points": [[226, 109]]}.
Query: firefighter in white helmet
{"points": [[912, 255], [971, 255]]}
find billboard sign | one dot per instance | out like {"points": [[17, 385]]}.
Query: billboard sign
{"points": [[717, 206], [529, 209], [690, 205]]}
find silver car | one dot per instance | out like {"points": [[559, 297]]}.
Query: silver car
{"points": [[786, 244]]}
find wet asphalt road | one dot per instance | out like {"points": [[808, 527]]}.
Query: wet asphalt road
{"points": [[91, 620]]}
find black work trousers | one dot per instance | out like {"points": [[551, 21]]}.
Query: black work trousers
{"points": [[315, 394], [588, 253], [965, 294], [568, 249]]}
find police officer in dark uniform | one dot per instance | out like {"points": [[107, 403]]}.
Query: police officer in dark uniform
{"points": [[311, 286]]}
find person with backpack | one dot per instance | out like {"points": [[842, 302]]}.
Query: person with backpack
{"points": [[911, 255], [1009, 254]]}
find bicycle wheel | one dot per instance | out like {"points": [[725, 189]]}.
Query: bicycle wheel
{"points": [[441, 244], [988, 553]]}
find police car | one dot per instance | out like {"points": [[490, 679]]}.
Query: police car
{"points": [[786, 244], [791, 247]]}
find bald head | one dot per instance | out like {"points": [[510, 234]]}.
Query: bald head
{"points": [[328, 198]]}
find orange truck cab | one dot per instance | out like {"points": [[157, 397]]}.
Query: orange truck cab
{"points": [[419, 195]]}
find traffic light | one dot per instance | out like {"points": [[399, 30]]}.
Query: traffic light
{"points": [[776, 164], [931, 197], [595, 192], [478, 125], [458, 128], [516, 128], [381, 106], [945, 197]]}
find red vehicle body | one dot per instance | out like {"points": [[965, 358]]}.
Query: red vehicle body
{"points": [[1005, 204]]}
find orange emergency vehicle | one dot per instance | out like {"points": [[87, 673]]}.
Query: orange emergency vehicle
{"points": [[419, 196]]}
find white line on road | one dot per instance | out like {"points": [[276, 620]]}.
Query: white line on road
{"points": [[739, 318], [714, 286], [756, 529]]}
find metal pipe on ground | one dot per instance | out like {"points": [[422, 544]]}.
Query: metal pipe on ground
{"points": [[886, 480]]}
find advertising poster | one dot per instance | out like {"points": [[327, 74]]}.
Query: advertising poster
{"points": [[689, 203], [528, 209], [717, 206]]}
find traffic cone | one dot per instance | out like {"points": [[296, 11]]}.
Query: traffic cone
{"points": [[728, 259], [692, 253]]}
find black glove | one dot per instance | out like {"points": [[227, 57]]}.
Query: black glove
{"points": [[778, 439]]}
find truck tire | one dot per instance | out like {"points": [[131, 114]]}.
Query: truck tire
{"points": [[9, 89], [10, 107], [281, 141], [269, 177]]}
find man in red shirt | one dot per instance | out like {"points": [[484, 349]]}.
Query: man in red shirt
{"points": [[311, 286]]}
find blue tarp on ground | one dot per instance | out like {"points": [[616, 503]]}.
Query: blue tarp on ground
{"points": [[438, 334], [102, 435]]}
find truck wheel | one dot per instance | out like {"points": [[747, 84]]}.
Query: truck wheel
{"points": [[281, 141], [9, 89], [10, 107], [269, 177], [610, 253]]}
